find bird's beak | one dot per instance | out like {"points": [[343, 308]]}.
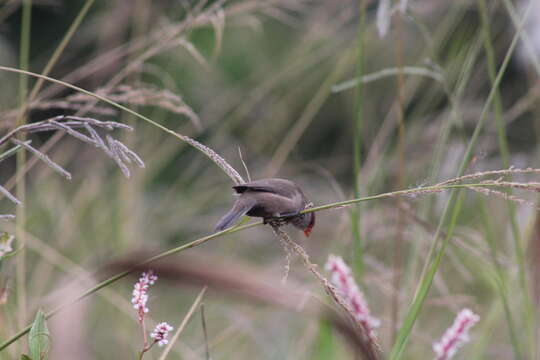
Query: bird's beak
{"points": [[307, 231]]}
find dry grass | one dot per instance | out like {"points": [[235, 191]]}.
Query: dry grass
{"points": [[276, 79]]}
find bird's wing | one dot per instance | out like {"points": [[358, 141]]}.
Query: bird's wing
{"points": [[280, 205], [281, 187]]}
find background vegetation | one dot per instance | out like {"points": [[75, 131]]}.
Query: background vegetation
{"points": [[271, 80]]}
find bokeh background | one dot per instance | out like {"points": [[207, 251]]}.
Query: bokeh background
{"points": [[271, 80]]}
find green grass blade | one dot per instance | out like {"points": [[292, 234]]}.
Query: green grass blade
{"points": [[358, 243], [452, 207], [528, 309], [39, 338], [21, 160]]}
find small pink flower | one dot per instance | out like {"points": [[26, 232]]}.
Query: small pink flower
{"points": [[160, 333], [456, 335], [140, 293], [344, 282]]}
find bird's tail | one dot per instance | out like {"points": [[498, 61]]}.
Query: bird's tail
{"points": [[233, 215]]}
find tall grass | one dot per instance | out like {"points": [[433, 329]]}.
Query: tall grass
{"points": [[407, 125]]}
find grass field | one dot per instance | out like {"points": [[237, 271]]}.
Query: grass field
{"points": [[412, 126]]}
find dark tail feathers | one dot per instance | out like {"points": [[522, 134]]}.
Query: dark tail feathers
{"points": [[231, 217]]}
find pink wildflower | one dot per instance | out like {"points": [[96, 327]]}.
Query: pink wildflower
{"points": [[140, 293], [456, 335], [344, 282], [160, 333]]}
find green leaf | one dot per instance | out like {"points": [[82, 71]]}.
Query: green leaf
{"points": [[38, 338], [25, 357]]}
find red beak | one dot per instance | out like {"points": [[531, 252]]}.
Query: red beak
{"points": [[307, 231]]}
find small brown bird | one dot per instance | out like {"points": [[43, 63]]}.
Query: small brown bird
{"points": [[270, 199]]}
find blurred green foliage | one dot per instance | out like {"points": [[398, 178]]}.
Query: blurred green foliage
{"points": [[252, 94]]}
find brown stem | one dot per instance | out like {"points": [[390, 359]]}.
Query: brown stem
{"points": [[143, 328], [145, 349], [370, 347]]}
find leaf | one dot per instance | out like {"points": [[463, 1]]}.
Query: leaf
{"points": [[38, 338], [25, 357]]}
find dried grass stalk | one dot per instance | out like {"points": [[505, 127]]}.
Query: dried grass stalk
{"points": [[503, 195], [9, 195], [96, 139], [76, 134], [216, 158], [530, 186], [288, 257], [477, 175], [43, 157], [371, 347], [116, 150], [144, 95], [115, 154]]}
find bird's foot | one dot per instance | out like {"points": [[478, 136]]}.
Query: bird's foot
{"points": [[275, 221]]}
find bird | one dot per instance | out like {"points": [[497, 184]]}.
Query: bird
{"points": [[275, 200]]}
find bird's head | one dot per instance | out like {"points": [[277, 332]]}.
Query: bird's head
{"points": [[304, 222]]}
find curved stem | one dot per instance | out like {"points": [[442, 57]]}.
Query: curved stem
{"points": [[419, 190], [123, 274], [407, 192], [212, 155]]}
